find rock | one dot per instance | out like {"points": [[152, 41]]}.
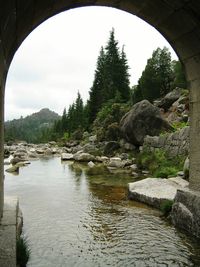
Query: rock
{"points": [[67, 156], [14, 169], [127, 162], [155, 191], [102, 158], [6, 153], [85, 157], [186, 168], [186, 211], [15, 160], [40, 151], [32, 150], [127, 146], [76, 149], [22, 164], [110, 148], [32, 155], [93, 138], [48, 152], [133, 167], [91, 164], [90, 148], [169, 99], [143, 119], [180, 174], [52, 143], [116, 163]]}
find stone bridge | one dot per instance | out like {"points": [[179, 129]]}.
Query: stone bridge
{"points": [[178, 21]]}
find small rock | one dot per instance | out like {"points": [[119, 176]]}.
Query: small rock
{"points": [[134, 167], [91, 164], [13, 169], [116, 163], [67, 156], [84, 157]]}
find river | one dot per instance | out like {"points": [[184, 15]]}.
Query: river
{"points": [[72, 219]]}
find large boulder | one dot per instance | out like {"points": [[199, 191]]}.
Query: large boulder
{"points": [[84, 157], [143, 119], [110, 148], [169, 99], [156, 191]]}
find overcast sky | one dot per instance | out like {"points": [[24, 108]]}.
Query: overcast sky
{"points": [[58, 59]]}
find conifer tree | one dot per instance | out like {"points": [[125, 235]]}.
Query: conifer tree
{"points": [[157, 77], [111, 81], [96, 92]]}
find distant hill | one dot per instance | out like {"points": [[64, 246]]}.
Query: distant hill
{"points": [[30, 128]]}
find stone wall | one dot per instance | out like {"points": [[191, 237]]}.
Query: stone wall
{"points": [[174, 144]]}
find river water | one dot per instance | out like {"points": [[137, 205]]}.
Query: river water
{"points": [[71, 219]]}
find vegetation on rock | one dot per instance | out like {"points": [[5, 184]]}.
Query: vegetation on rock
{"points": [[159, 164]]}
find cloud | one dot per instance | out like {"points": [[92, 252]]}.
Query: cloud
{"points": [[59, 57]]}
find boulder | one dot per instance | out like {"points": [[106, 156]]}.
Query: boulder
{"points": [[116, 163], [84, 157], [169, 99], [67, 156], [110, 148], [93, 138], [90, 148], [143, 119], [12, 169], [156, 191], [102, 158], [15, 160]]}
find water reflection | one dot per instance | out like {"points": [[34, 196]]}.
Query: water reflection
{"points": [[73, 219]]}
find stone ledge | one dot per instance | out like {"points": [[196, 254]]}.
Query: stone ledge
{"points": [[155, 191], [186, 211], [8, 232]]}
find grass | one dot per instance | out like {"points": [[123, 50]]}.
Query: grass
{"points": [[23, 252]]}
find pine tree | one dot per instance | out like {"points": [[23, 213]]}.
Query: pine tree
{"points": [[97, 90], [64, 121], [79, 122], [111, 81]]}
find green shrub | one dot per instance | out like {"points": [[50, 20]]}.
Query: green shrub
{"points": [[159, 164], [23, 252], [165, 172], [113, 132], [166, 207]]}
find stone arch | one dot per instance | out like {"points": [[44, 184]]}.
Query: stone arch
{"points": [[178, 21]]}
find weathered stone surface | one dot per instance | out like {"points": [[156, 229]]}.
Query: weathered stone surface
{"points": [[14, 169], [116, 163], [186, 211], [155, 191], [67, 156], [90, 148], [143, 119], [85, 157], [91, 164], [169, 99], [8, 233], [110, 148], [173, 144]]}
